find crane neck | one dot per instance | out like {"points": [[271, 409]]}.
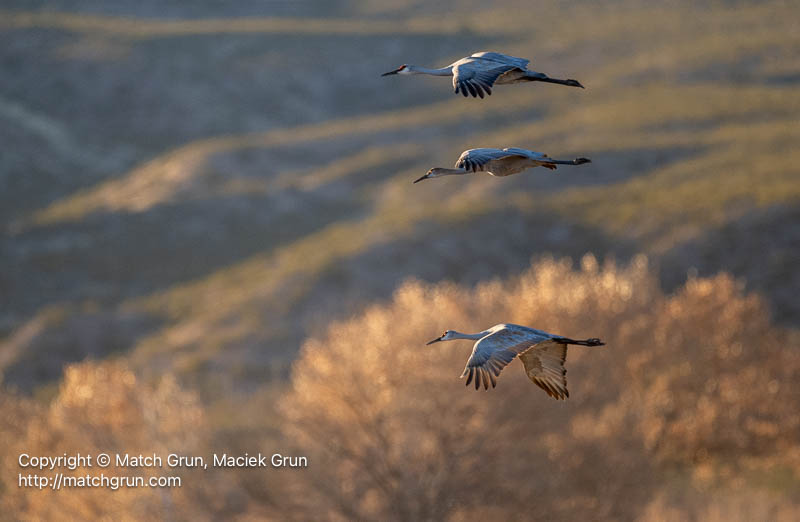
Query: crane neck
{"points": [[444, 71], [443, 171], [473, 337]]}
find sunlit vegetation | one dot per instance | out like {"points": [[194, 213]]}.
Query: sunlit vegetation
{"points": [[693, 391], [689, 406], [104, 407], [216, 208]]}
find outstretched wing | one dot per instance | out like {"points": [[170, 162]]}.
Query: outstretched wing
{"points": [[542, 159], [493, 353], [544, 365], [476, 159], [521, 63], [539, 156], [476, 76]]}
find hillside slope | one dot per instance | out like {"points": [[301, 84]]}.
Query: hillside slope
{"points": [[201, 192]]}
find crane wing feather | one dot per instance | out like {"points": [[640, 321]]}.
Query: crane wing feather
{"points": [[476, 159], [544, 365], [540, 158], [522, 63], [478, 76], [494, 352]]}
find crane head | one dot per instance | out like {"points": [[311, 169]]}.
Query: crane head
{"points": [[433, 173], [574, 83], [426, 176], [403, 69], [446, 336]]}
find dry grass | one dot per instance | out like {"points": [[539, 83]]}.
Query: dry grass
{"points": [[737, 136], [689, 115], [142, 28]]}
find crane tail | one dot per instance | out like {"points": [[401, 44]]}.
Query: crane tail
{"points": [[594, 341], [576, 161], [539, 77]]}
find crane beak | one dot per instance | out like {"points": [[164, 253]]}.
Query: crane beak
{"points": [[392, 72], [434, 341], [426, 176]]}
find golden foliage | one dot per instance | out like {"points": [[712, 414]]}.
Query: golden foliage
{"points": [[695, 381], [103, 407], [689, 405]]}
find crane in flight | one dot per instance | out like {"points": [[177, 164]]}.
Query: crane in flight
{"points": [[479, 72], [542, 354], [500, 162]]}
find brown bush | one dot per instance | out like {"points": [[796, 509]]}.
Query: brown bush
{"points": [[103, 407], [696, 381], [690, 406], [721, 384]]}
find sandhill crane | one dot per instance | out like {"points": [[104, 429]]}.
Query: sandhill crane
{"points": [[478, 72], [500, 162], [542, 355]]}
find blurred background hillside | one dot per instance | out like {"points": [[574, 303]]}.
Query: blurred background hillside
{"points": [[190, 192]]}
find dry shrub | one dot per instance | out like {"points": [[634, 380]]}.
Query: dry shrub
{"points": [[700, 378], [740, 506], [722, 383], [694, 393], [103, 407]]}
